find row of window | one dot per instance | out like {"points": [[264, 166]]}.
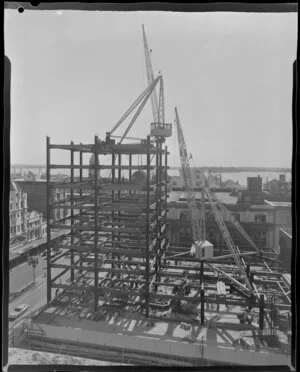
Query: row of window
{"points": [[260, 237], [259, 218], [15, 229], [20, 204]]}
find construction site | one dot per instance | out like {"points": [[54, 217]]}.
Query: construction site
{"points": [[120, 290]]}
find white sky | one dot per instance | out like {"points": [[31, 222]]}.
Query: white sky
{"points": [[75, 73]]}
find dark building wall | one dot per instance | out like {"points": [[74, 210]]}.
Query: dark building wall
{"points": [[285, 244], [36, 195], [254, 184], [180, 232]]}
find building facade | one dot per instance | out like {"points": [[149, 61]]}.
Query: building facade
{"points": [[177, 179], [285, 243], [261, 222], [25, 225], [17, 210], [37, 197]]}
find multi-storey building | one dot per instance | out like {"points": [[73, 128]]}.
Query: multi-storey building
{"points": [[17, 210], [262, 222], [24, 225], [285, 243], [278, 186], [177, 180], [37, 197]]}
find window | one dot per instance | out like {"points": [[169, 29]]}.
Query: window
{"points": [[10, 206], [198, 177], [58, 196], [198, 184], [260, 237], [174, 183], [203, 252], [260, 218], [183, 215]]}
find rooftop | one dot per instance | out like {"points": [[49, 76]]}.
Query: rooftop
{"points": [[287, 231], [181, 196], [278, 204]]}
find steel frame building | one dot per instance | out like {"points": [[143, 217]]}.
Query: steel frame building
{"points": [[116, 227]]}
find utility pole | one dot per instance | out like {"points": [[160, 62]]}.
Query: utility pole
{"points": [[33, 261]]}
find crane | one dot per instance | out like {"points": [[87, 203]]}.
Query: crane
{"points": [[150, 77], [228, 240], [140, 103], [157, 103], [233, 220], [198, 226], [197, 230]]}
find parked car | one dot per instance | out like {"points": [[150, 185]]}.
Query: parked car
{"points": [[44, 253], [18, 311]]}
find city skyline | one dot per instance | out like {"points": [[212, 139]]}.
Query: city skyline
{"points": [[96, 60]]}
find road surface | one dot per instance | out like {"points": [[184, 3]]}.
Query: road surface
{"points": [[22, 275], [34, 297]]}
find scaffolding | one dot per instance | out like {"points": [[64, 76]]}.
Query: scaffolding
{"points": [[116, 225]]}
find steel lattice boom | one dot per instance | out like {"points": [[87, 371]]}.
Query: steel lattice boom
{"points": [[187, 175]]}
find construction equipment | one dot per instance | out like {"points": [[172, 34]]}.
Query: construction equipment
{"points": [[228, 240], [198, 225], [150, 77], [232, 219], [198, 233], [142, 100]]}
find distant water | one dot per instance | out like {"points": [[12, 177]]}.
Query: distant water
{"points": [[241, 177]]}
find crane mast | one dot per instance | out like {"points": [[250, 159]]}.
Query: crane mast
{"points": [[150, 77], [228, 240], [187, 176]]}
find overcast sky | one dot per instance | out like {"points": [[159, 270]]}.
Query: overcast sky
{"points": [[75, 73]]}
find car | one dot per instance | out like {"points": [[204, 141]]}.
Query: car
{"points": [[18, 311], [44, 253]]}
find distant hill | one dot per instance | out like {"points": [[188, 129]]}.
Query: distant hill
{"points": [[242, 169]]}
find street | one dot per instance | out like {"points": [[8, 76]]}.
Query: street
{"points": [[35, 297], [21, 276]]}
